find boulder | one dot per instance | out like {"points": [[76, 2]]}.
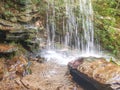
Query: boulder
{"points": [[98, 73]]}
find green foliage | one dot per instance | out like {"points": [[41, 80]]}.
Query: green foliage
{"points": [[107, 16], [107, 8], [6, 6], [36, 1], [8, 13], [109, 38]]}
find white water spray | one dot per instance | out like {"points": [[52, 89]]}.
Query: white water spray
{"points": [[78, 31]]}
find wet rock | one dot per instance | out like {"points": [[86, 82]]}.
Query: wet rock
{"points": [[11, 85], [16, 37], [26, 36], [16, 25], [4, 49], [45, 76], [19, 35], [1, 69], [76, 63], [6, 25], [13, 19], [99, 73], [30, 45], [18, 11], [17, 65], [24, 18], [37, 58]]}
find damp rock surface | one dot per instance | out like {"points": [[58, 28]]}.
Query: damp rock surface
{"points": [[99, 72], [4, 48], [50, 76]]}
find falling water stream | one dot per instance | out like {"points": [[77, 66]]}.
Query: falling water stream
{"points": [[77, 38], [70, 36]]}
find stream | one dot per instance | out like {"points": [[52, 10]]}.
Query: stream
{"points": [[51, 76], [48, 75]]}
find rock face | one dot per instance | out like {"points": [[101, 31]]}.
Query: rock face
{"points": [[7, 25], [7, 48], [17, 22], [19, 11], [99, 73], [18, 34]]}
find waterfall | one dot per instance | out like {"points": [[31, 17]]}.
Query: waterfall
{"points": [[51, 26], [72, 35], [78, 29], [86, 14]]}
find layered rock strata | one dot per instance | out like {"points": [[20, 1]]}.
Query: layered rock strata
{"points": [[18, 35]]}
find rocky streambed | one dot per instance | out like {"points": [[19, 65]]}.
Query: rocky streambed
{"points": [[38, 74], [45, 76]]}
